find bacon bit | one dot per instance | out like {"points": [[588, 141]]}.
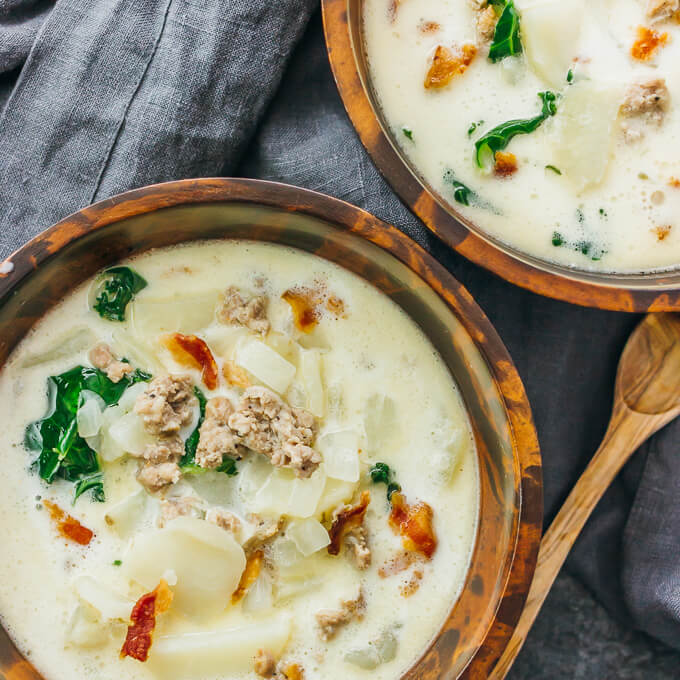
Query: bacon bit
{"points": [[674, 182], [428, 26], [412, 585], [647, 43], [292, 671], [143, 622], [191, 350], [506, 164], [249, 575], [306, 304], [661, 232], [447, 64], [414, 523], [235, 375], [69, 527], [349, 517], [397, 564]]}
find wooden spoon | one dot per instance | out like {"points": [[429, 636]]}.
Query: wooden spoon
{"points": [[646, 397]]}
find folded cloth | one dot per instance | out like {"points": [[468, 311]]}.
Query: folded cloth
{"points": [[115, 94]]}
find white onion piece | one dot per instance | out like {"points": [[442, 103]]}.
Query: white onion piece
{"points": [[89, 415], [335, 492], [309, 535], [310, 370], [188, 429], [380, 421], [85, 628], [340, 451], [127, 402], [285, 494], [111, 605], [259, 597], [265, 364], [136, 350], [306, 494], [129, 434], [218, 652]]}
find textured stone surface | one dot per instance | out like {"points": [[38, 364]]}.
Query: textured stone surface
{"points": [[575, 639]]}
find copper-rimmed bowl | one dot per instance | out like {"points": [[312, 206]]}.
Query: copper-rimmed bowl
{"points": [[51, 265], [652, 292]]}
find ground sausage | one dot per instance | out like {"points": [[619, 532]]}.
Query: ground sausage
{"points": [[330, 621], [102, 358], [216, 439], [265, 424], [250, 312], [659, 10], [166, 405], [647, 102], [486, 24]]}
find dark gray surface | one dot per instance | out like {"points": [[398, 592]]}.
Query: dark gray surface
{"points": [[119, 93]]}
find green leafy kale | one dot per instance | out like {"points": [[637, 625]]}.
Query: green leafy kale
{"points": [[570, 76], [557, 171], [506, 38], [461, 193], [93, 483], [408, 133], [499, 137], [117, 288], [187, 463], [62, 452], [583, 246], [382, 474], [473, 127]]}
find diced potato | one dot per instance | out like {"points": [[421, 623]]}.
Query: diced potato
{"points": [[340, 451], [550, 37], [85, 628], [218, 652], [71, 343], [222, 339], [311, 373], [207, 560], [334, 493], [111, 605], [449, 443], [182, 313], [265, 364], [309, 535], [129, 435], [582, 131], [306, 494]]}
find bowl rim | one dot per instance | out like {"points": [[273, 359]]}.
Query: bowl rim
{"points": [[645, 292], [457, 299]]}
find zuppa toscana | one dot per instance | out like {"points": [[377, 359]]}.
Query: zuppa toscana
{"points": [[231, 460], [553, 125]]}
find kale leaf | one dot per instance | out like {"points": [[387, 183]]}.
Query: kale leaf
{"points": [[94, 483], [499, 137], [506, 38], [62, 452], [187, 463], [117, 288], [461, 193], [382, 474]]}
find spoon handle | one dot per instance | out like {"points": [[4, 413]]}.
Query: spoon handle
{"points": [[627, 430]]}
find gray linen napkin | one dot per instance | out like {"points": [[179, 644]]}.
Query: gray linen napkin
{"points": [[99, 96]]}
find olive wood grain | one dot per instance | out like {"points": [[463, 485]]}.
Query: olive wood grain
{"points": [[646, 397]]}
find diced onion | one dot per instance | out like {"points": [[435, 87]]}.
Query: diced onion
{"points": [[340, 451], [85, 628], [310, 370], [265, 364], [127, 401], [380, 421], [285, 494], [334, 493], [309, 535], [89, 415], [129, 434], [259, 597]]}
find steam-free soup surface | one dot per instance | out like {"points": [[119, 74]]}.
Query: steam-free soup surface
{"points": [[592, 183], [265, 552]]}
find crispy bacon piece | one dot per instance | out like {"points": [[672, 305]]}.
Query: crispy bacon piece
{"points": [[191, 350], [347, 518], [674, 182], [428, 26], [398, 563], [249, 575], [143, 621], [647, 43], [447, 63], [506, 164], [235, 375], [411, 586], [69, 527], [292, 671], [307, 304], [414, 523]]}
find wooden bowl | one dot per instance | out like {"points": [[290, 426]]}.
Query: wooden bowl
{"points": [[652, 292], [503, 560]]}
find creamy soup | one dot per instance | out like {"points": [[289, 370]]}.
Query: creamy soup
{"points": [[231, 460], [553, 125]]}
